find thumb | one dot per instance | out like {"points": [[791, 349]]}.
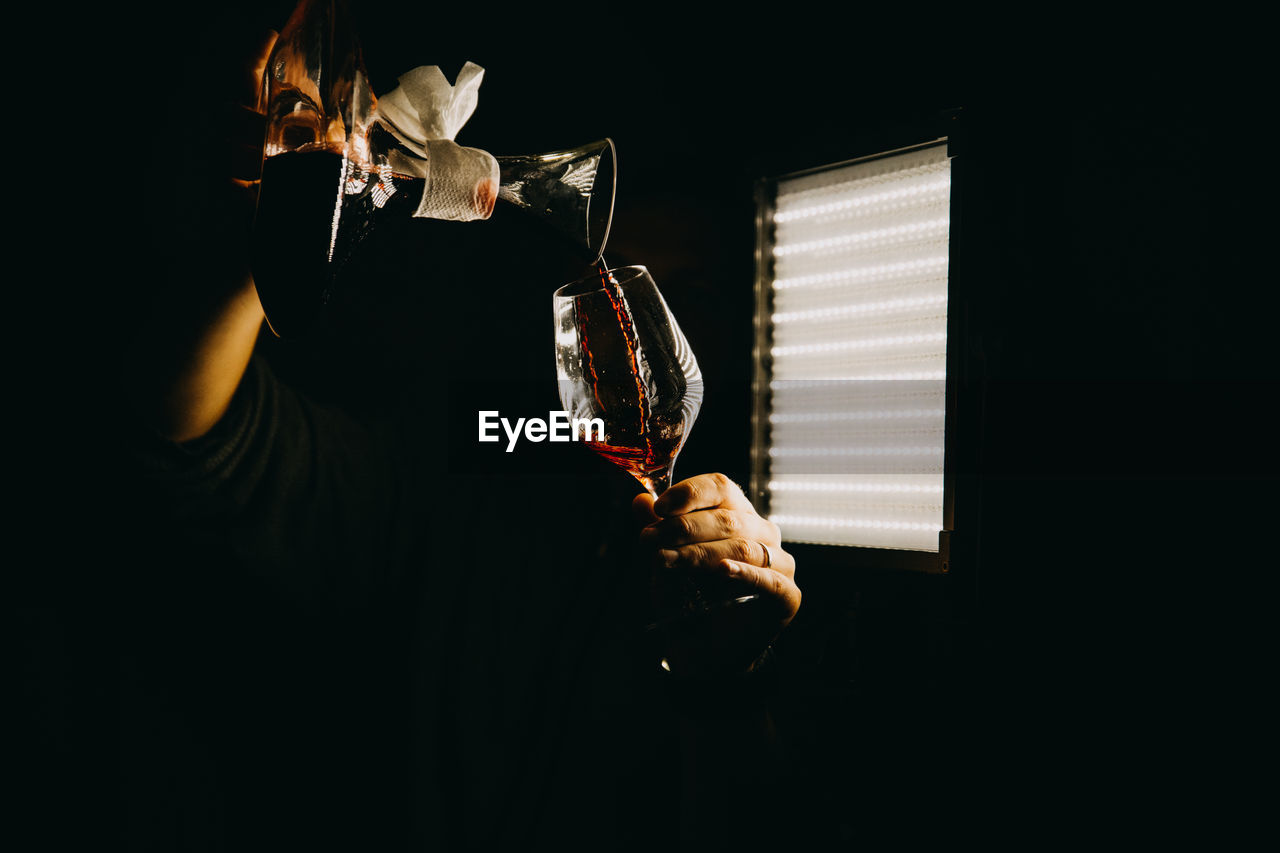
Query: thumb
{"points": [[642, 508]]}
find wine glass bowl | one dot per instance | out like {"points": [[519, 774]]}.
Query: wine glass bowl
{"points": [[622, 359]]}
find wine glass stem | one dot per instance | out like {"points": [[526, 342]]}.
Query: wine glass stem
{"points": [[658, 482]]}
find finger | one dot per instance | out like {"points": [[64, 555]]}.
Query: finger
{"points": [[712, 556], [772, 586], [708, 525], [256, 67], [704, 491], [642, 508]]}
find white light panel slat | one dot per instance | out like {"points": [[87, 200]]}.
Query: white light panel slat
{"points": [[858, 352]]}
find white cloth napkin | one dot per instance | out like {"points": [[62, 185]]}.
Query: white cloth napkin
{"points": [[425, 112]]}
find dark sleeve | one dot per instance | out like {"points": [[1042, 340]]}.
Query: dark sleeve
{"points": [[299, 494]]}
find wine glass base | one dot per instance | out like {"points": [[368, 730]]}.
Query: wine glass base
{"points": [[696, 610]]}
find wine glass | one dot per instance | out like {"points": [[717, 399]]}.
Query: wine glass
{"points": [[623, 362]]}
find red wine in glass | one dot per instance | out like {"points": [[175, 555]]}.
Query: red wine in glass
{"points": [[621, 358]]}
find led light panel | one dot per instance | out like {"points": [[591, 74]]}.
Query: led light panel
{"points": [[858, 348]]}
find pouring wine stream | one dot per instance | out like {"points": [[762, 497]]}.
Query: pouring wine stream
{"points": [[654, 474]]}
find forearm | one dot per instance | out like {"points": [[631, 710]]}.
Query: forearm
{"points": [[185, 375], [188, 358]]}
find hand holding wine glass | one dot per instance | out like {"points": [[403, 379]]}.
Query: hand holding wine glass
{"points": [[705, 528], [723, 585]]}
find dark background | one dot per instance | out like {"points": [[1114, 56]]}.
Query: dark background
{"points": [[1116, 365]]}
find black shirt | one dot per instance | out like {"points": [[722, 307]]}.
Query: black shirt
{"points": [[354, 643]]}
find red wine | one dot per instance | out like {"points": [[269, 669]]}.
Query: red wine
{"points": [[647, 458], [642, 443], [614, 291], [294, 237]]}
